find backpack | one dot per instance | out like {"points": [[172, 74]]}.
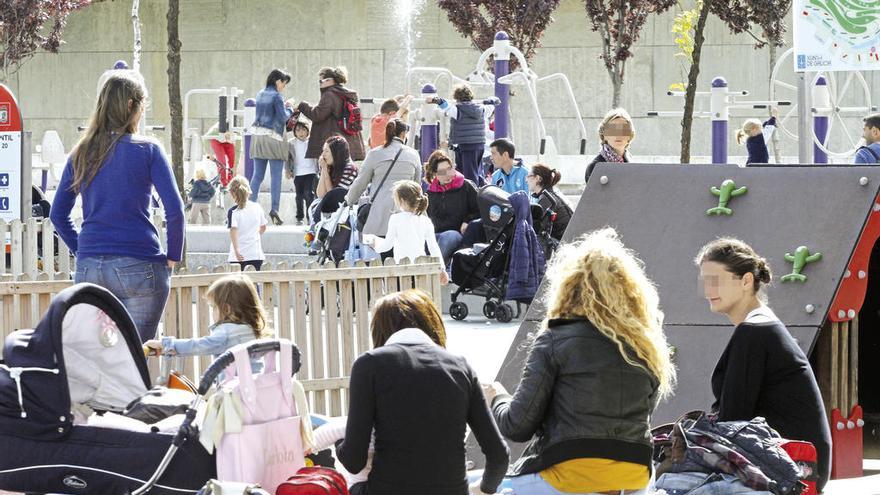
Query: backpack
{"points": [[314, 481], [350, 122]]}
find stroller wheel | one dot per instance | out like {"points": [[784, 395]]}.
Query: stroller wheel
{"points": [[458, 311], [504, 313], [489, 309]]}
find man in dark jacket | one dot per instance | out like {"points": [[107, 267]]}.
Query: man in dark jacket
{"points": [[326, 114]]}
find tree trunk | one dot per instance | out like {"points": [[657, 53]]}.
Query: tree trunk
{"points": [[174, 102], [777, 153], [691, 91]]}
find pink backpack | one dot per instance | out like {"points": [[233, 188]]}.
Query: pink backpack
{"points": [[269, 446], [314, 481]]}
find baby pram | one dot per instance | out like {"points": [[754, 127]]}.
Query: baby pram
{"points": [[483, 270], [85, 352]]}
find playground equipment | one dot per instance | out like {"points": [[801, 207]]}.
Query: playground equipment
{"points": [[721, 101], [829, 106], [500, 81], [229, 118], [823, 209]]}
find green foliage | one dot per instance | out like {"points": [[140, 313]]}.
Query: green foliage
{"points": [[683, 31]]}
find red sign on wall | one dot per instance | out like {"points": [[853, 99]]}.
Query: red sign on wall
{"points": [[10, 156]]}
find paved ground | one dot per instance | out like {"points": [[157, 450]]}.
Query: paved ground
{"points": [[483, 342]]}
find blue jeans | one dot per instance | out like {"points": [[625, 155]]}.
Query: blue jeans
{"points": [[142, 286], [276, 167], [534, 484], [449, 242]]}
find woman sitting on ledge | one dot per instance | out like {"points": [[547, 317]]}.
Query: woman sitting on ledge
{"points": [[592, 378]]}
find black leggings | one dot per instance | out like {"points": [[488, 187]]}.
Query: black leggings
{"points": [[305, 193], [257, 264]]}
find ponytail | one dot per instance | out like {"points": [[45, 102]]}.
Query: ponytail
{"points": [[394, 128], [409, 194], [747, 128], [549, 176], [421, 205]]}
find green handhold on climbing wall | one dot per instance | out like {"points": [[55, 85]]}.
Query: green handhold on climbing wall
{"points": [[725, 193], [799, 260]]}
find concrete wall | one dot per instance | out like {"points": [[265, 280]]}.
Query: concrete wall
{"points": [[236, 43]]}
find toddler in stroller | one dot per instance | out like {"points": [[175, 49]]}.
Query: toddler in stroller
{"points": [[485, 270]]}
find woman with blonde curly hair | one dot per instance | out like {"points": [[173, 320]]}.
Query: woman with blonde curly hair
{"points": [[593, 377]]}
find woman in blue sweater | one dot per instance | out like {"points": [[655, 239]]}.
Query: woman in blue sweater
{"points": [[115, 171]]}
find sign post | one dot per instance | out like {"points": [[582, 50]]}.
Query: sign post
{"points": [[12, 180]]}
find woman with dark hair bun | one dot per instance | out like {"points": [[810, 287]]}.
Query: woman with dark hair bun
{"points": [[542, 180], [268, 147], [762, 371]]}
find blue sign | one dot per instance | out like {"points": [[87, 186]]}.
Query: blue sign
{"points": [[4, 180], [4, 203]]}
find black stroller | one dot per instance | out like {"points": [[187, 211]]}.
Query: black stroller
{"points": [[85, 355], [484, 272]]}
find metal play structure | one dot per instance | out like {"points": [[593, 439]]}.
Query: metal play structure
{"points": [[230, 117], [721, 101], [428, 81]]}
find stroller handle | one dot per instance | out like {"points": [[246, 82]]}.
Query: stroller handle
{"points": [[225, 359]]}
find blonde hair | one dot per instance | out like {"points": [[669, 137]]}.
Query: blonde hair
{"points": [[236, 300], [117, 113], [409, 194], [200, 174], [596, 277], [617, 113], [240, 190], [748, 128]]}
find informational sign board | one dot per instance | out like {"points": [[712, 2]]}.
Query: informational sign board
{"points": [[10, 156], [836, 35]]}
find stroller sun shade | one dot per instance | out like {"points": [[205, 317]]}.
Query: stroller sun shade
{"points": [[85, 350]]}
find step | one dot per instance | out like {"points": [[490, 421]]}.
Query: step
{"points": [[281, 240], [211, 260]]}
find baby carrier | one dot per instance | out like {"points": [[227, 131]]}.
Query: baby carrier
{"points": [[83, 360]]}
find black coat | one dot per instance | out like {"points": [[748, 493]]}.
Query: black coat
{"points": [[578, 398], [451, 208]]}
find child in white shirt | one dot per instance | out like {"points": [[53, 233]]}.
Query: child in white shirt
{"points": [[246, 222], [410, 228]]}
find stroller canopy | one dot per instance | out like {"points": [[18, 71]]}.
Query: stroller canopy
{"points": [[85, 350]]}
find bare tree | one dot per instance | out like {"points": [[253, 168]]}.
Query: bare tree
{"points": [[174, 102], [619, 23]]}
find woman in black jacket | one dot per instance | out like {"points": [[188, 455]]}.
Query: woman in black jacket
{"points": [[452, 202], [616, 132], [417, 399], [542, 180], [592, 378], [762, 371]]}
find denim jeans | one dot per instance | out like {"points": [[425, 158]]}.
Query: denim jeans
{"points": [[142, 286], [534, 484], [276, 168], [449, 242]]}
